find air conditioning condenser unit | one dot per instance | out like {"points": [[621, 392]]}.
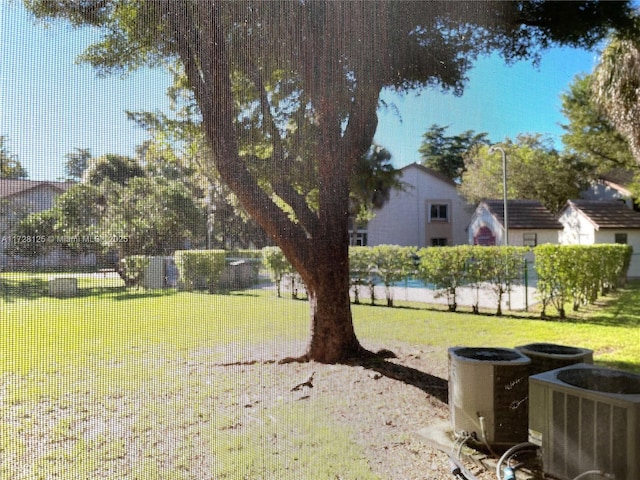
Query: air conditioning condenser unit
{"points": [[549, 356], [488, 393], [586, 418]]}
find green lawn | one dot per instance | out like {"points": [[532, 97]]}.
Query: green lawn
{"points": [[75, 373]]}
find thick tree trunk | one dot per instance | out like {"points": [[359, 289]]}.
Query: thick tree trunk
{"points": [[332, 337], [316, 243]]}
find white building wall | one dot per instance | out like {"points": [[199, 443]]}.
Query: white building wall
{"points": [[403, 220], [578, 230], [516, 237], [483, 218]]}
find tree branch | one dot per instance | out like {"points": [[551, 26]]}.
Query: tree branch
{"points": [[281, 187], [200, 42]]}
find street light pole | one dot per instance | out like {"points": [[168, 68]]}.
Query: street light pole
{"points": [[492, 149]]}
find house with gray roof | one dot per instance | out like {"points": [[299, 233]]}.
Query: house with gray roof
{"points": [[530, 223], [19, 198], [613, 185], [587, 222]]}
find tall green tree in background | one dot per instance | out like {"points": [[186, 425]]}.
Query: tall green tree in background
{"points": [[76, 163], [372, 183], [616, 87], [144, 215], [445, 154], [536, 171], [589, 132], [313, 72], [117, 169], [10, 167]]}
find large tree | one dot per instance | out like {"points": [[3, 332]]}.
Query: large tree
{"points": [[324, 61], [149, 215], [76, 163], [589, 132], [445, 153], [535, 171], [114, 168], [616, 87]]}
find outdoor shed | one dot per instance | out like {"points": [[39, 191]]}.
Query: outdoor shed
{"points": [[587, 222], [530, 223]]}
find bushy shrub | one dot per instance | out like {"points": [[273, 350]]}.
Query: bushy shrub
{"points": [[392, 263], [361, 269], [576, 274], [449, 268], [275, 261], [200, 269], [446, 268], [132, 269]]}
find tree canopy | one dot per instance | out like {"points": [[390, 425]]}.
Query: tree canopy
{"points": [[10, 167], [147, 215], [445, 154], [589, 132], [307, 76], [615, 86], [114, 168], [76, 163], [536, 171]]}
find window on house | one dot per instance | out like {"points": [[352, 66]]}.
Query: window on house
{"points": [[439, 242], [439, 212], [620, 238], [529, 239], [358, 239]]}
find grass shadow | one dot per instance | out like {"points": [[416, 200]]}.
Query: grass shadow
{"points": [[23, 288], [620, 309], [132, 294], [619, 365]]}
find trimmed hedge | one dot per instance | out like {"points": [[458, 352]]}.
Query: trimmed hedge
{"points": [[361, 267], [577, 274], [391, 264], [574, 274], [449, 268], [200, 269]]}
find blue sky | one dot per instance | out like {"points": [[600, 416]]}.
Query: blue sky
{"points": [[50, 105]]}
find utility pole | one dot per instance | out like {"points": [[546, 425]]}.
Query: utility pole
{"points": [[492, 149]]}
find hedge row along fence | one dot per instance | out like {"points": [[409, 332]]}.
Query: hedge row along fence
{"points": [[445, 269], [200, 269], [567, 274], [577, 274]]}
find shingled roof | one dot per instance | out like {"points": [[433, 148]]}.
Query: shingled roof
{"points": [[524, 214], [607, 214], [10, 187]]}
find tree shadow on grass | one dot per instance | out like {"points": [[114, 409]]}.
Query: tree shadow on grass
{"points": [[12, 290], [22, 289], [133, 294], [430, 384], [622, 310]]}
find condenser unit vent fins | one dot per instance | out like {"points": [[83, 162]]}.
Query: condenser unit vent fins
{"points": [[586, 418]]}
